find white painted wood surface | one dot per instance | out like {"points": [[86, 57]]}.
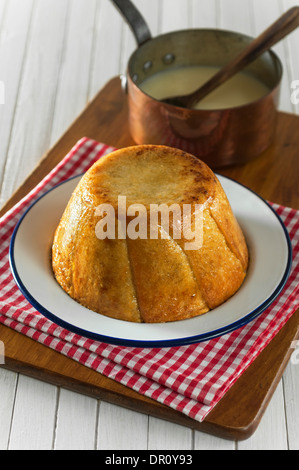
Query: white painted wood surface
{"points": [[54, 57]]}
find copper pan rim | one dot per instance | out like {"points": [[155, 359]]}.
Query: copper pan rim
{"points": [[220, 137], [275, 58]]}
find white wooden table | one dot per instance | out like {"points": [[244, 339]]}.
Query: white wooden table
{"points": [[54, 57]]}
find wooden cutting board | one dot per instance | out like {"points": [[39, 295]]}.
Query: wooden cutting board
{"points": [[274, 175]]}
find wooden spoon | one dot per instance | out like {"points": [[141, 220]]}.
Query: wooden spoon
{"points": [[277, 31]]}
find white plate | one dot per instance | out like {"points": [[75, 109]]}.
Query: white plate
{"points": [[270, 263]]}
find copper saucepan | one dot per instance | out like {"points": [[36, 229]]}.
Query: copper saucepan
{"points": [[219, 137]]}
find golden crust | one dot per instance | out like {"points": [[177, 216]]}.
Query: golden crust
{"points": [[149, 280]]}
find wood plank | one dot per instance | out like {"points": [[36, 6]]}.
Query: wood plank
{"points": [[265, 13], [291, 394], [13, 43], [76, 422], [105, 63], [231, 19], [274, 419], [73, 84], [8, 388], [173, 17], [29, 431], [130, 433], [291, 52], [204, 14], [239, 412], [164, 435], [36, 98]]}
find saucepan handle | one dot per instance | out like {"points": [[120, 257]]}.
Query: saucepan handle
{"points": [[134, 19]]}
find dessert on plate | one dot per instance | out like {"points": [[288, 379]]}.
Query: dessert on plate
{"points": [[148, 235]]}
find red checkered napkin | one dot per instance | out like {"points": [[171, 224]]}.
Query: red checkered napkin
{"points": [[191, 379]]}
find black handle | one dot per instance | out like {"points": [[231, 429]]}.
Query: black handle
{"points": [[134, 19]]}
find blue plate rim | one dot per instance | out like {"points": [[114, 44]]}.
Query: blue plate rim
{"points": [[151, 343]]}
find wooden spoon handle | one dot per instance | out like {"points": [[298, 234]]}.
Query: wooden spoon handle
{"points": [[277, 31]]}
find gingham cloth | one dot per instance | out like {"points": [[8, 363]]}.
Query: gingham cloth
{"points": [[192, 378]]}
